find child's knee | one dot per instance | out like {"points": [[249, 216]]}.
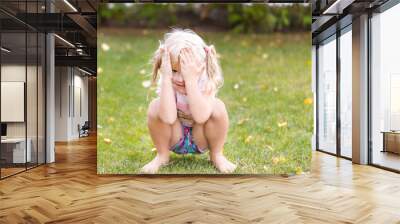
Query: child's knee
{"points": [[219, 110], [152, 111]]}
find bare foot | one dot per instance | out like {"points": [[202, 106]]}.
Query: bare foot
{"points": [[223, 164], [153, 166]]}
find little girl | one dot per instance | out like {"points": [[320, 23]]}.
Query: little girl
{"points": [[187, 117]]}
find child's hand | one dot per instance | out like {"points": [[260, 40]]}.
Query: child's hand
{"points": [[165, 68], [191, 65]]}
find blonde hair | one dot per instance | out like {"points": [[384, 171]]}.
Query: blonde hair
{"points": [[178, 39]]}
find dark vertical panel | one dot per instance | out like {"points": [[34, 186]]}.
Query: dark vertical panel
{"points": [[26, 79], [73, 91], [41, 100], [1, 163], [60, 88], [45, 90], [37, 90], [338, 73], [69, 99], [317, 96], [32, 90], [370, 154]]}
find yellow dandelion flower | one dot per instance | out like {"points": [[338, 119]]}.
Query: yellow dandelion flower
{"points": [[282, 124], [308, 101], [107, 140], [299, 170], [248, 139]]}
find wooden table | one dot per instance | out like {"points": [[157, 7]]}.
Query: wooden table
{"points": [[16, 153], [391, 141]]}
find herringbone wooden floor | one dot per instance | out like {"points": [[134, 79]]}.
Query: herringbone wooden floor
{"points": [[69, 191]]}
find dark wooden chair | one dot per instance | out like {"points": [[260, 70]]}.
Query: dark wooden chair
{"points": [[84, 130]]}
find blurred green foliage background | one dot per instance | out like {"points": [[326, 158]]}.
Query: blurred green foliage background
{"points": [[239, 18]]}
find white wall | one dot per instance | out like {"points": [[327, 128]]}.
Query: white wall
{"points": [[62, 81], [70, 83], [12, 73], [80, 118]]}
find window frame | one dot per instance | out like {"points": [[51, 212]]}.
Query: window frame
{"points": [[29, 29], [342, 26], [380, 9]]}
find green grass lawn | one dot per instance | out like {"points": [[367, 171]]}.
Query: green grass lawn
{"points": [[270, 111]]}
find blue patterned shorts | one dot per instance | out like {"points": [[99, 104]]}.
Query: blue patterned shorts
{"points": [[186, 144]]}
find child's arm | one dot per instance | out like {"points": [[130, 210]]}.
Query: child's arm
{"points": [[200, 105], [167, 109]]}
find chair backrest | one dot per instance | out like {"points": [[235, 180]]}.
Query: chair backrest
{"points": [[86, 125]]}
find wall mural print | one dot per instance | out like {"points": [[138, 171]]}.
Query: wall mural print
{"points": [[204, 89]]}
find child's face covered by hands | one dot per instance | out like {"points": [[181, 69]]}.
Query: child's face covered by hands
{"points": [[170, 70], [177, 78], [187, 68], [192, 66]]}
